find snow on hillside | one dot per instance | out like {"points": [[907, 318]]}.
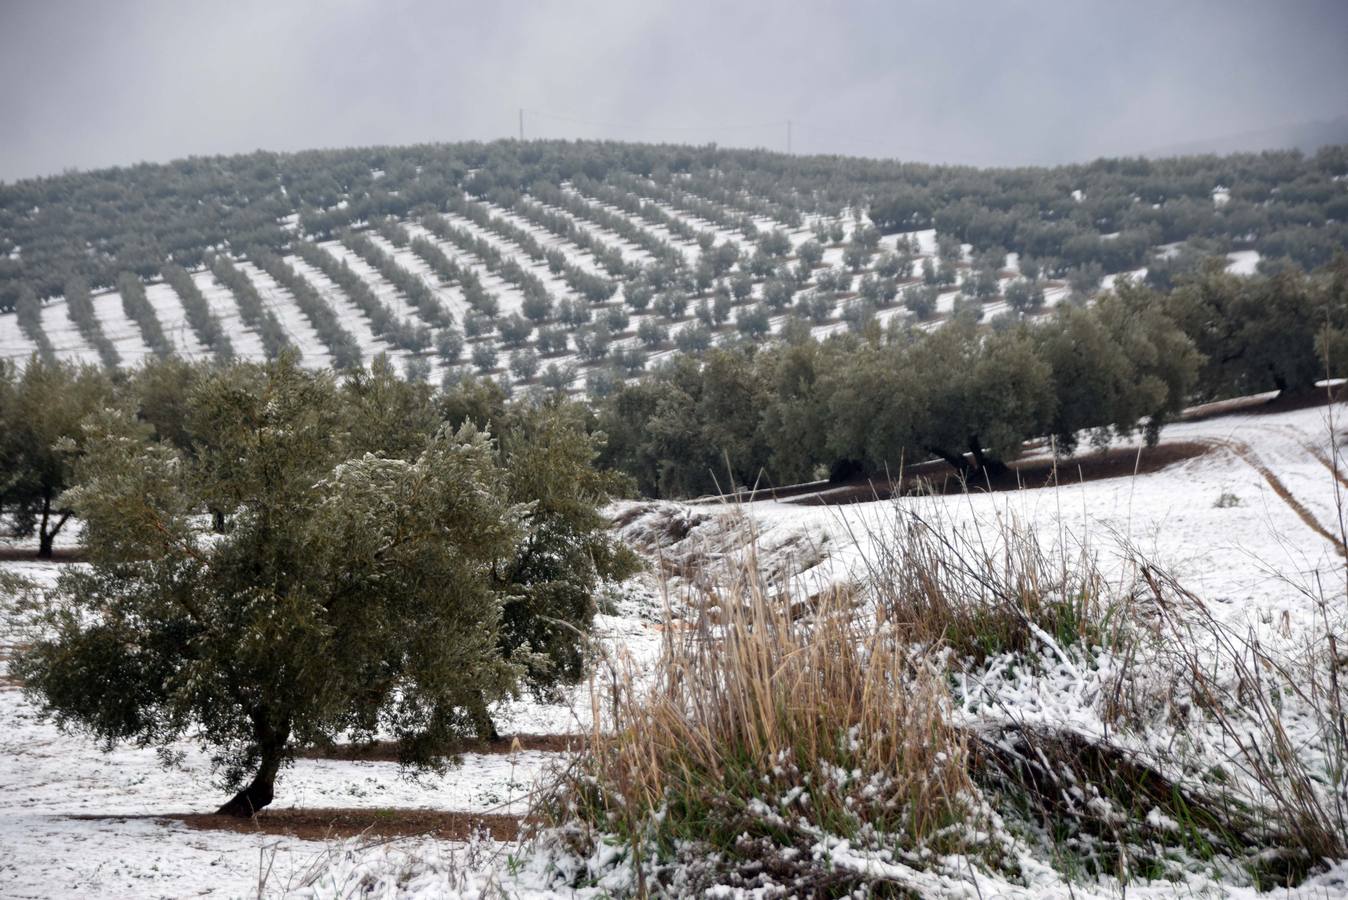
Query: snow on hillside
{"points": [[575, 255], [313, 352], [507, 295], [173, 319], [1282, 522], [14, 344], [1244, 526], [125, 335], [247, 343], [120, 329], [65, 338], [1243, 262]]}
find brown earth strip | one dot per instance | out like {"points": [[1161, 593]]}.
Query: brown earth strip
{"points": [[1336, 471], [1304, 514], [335, 823], [387, 751], [28, 554]]}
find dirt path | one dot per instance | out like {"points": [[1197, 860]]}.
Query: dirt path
{"points": [[1324, 460], [328, 823], [1247, 455], [10, 553]]}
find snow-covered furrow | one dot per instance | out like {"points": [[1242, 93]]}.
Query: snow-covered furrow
{"points": [[926, 240], [387, 293], [631, 252], [764, 224], [14, 344], [450, 296], [689, 249], [66, 340], [173, 319], [508, 296], [314, 353], [577, 256], [247, 344], [690, 218], [120, 329], [352, 319], [555, 285]]}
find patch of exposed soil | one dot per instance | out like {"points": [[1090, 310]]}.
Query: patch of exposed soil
{"points": [[1041, 471], [1305, 515], [10, 553], [387, 751], [334, 823]]}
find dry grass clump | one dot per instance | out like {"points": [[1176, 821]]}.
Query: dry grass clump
{"points": [[766, 731], [1283, 721], [775, 727], [983, 591]]}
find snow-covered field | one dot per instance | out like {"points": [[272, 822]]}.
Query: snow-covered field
{"points": [[68, 344], [1244, 526]]}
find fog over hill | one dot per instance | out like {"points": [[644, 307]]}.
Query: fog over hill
{"points": [[1304, 136], [94, 84]]}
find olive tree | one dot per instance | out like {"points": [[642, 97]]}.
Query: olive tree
{"points": [[350, 595], [40, 440]]}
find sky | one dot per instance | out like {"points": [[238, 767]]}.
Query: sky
{"points": [[92, 83]]}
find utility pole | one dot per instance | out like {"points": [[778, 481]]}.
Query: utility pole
{"points": [[521, 124], [788, 137]]}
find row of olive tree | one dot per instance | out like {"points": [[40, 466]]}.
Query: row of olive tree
{"points": [[872, 400], [95, 225]]}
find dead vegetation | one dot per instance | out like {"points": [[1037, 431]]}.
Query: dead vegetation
{"points": [[776, 725]]}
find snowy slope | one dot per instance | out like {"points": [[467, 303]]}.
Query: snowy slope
{"points": [[1247, 559]]}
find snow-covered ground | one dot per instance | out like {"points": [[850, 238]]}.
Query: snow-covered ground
{"points": [[313, 352], [1243, 525], [1243, 262], [119, 328], [173, 319], [66, 340]]}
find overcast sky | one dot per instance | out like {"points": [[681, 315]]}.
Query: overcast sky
{"points": [[91, 83]]}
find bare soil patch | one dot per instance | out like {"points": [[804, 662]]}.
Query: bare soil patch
{"points": [[387, 751], [1037, 472], [10, 553], [336, 823]]}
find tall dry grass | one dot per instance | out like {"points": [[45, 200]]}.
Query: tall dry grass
{"points": [[989, 588], [765, 730], [775, 725]]}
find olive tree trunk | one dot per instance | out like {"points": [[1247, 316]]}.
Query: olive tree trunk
{"points": [[259, 792]]}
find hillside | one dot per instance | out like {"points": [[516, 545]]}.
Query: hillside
{"points": [[1260, 495], [575, 265]]}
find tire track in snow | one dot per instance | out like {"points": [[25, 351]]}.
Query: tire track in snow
{"points": [[1252, 459]]}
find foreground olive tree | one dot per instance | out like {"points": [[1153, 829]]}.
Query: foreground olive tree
{"points": [[349, 595]]}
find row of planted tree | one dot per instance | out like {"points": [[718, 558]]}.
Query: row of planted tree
{"points": [[1109, 213], [874, 400]]}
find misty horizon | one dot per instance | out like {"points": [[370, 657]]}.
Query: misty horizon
{"points": [[1008, 84]]}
